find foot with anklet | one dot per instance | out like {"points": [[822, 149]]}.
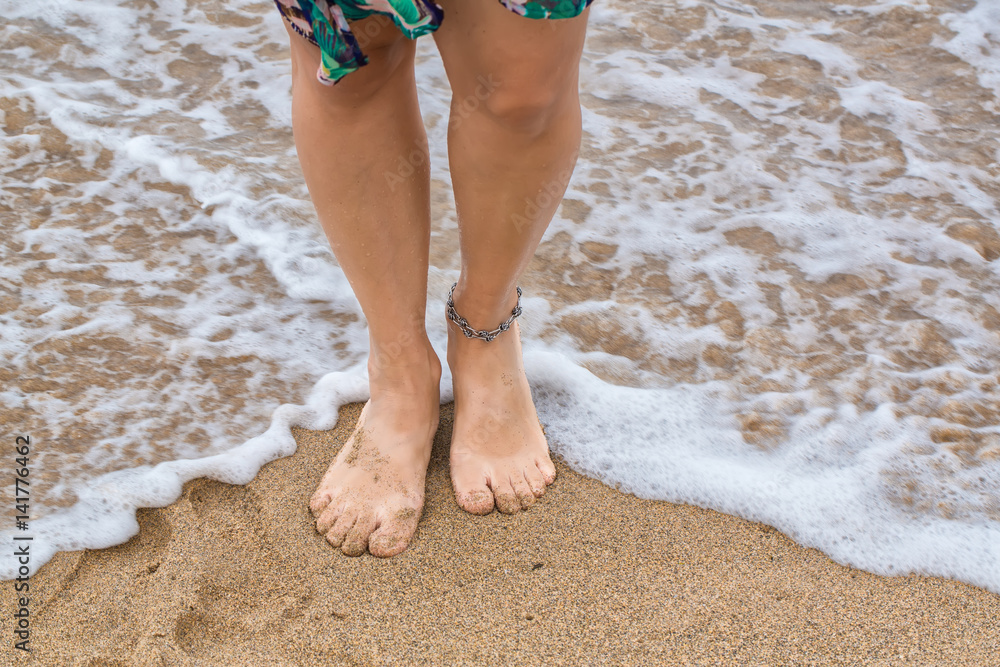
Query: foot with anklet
{"points": [[499, 455]]}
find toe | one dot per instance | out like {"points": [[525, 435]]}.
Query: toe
{"points": [[395, 533], [471, 490], [356, 541], [547, 469], [525, 497], [319, 502], [506, 499], [535, 480], [328, 517], [338, 532], [475, 500]]}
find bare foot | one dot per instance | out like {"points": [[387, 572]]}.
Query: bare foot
{"points": [[373, 493], [498, 450]]}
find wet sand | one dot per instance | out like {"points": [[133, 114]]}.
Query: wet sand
{"points": [[236, 575]]}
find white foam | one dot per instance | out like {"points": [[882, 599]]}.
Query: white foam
{"points": [[825, 491], [104, 515]]}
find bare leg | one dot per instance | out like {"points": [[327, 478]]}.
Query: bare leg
{"points": [[512, 143], [350, 140]]}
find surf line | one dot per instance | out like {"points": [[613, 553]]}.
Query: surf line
{"points": [[22, 550]]}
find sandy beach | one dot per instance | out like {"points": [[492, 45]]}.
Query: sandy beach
{"points": [[235, 575]]}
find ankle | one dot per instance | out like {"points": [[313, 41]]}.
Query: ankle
{"points": [[483, 309], [409, 364]]}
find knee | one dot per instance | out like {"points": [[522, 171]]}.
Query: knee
{"points": [[525, 106]]}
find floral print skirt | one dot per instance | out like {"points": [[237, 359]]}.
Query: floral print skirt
{"points": [[325, 24]]}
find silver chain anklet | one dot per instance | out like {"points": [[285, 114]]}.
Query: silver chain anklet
{"points": [[480, 333]]}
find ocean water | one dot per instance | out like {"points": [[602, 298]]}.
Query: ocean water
{"points": [[771, 289]]}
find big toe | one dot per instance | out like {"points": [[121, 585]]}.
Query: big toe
{"points": [[394, 535]]}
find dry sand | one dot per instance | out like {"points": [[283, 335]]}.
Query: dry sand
{"points": [[236, 575]]}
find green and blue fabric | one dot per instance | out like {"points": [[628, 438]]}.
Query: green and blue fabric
{"points": [[326, 23]]}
